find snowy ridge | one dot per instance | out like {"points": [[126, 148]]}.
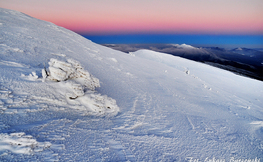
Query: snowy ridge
{"points": [[245, 62], [185, 46], [65, 98], [188, 49]]}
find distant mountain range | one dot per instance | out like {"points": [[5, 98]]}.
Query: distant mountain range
{"points": [[242, 61]]}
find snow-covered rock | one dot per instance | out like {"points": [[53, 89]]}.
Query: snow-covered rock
{"points": [[62, 71], [21, 144]]}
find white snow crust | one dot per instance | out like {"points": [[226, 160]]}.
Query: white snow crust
{"points": [[21, 144], [65, 98]]}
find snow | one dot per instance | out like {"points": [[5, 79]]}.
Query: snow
{"points": [[65, 98], [184, 46], [21, 144], [188, 49]]}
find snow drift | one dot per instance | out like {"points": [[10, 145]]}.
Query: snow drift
{"points": [[66, 98]]}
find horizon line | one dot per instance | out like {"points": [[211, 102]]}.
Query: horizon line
{"points": [[215, 40]]}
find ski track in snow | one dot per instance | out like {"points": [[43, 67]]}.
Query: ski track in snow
{"points": [[167, 108]]}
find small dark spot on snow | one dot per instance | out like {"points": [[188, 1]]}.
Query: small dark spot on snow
{"points": [[108, 107], [72, 98]]}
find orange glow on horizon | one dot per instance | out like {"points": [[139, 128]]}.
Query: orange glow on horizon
{"points": [[166, 16], [163, 27]]}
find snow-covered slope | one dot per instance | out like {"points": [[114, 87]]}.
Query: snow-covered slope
{"points": [[242, 61], [93, 103]]}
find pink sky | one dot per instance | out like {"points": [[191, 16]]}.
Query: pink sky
{"points": [[151, 16]]}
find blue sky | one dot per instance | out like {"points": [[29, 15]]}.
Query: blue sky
{"points": [[228, 41]]}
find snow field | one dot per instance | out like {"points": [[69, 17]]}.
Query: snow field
{"points": [[21, 143], [146, 106]]}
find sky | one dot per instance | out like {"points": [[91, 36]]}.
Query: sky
{"points": [[155, 17]]}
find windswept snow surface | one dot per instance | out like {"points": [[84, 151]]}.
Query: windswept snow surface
{"points": [[146, 106]]}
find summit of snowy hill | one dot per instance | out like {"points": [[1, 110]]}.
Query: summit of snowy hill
{"points": [[184, 46], [245, 62], [188, 49], [65, 98]]}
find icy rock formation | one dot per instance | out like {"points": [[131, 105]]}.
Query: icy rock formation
{"points": [[80, 85], [44, 75], [62, 71], [76, 88], [69, 71]]}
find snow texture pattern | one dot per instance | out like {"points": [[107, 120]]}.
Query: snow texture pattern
{"points": [[146, 106]]}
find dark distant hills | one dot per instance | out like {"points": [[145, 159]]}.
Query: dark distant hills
{"points": [[242, 61]]}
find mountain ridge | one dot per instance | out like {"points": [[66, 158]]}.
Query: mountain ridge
{"points": [[248, 62]]}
